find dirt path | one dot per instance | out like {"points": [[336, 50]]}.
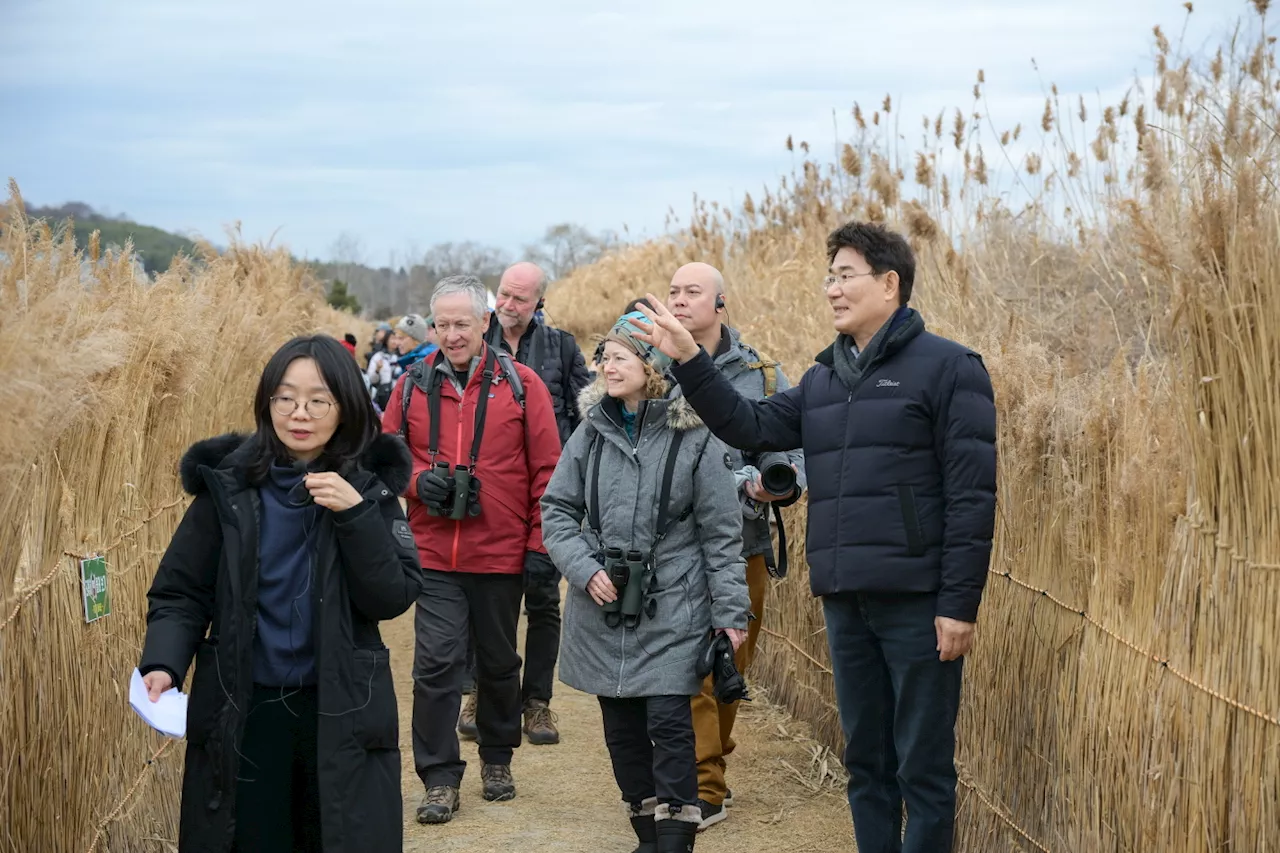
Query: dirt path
{"points": [[786, 801]]}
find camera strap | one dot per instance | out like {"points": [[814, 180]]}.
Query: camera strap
{"points": [[433, 381], [482, 405]]}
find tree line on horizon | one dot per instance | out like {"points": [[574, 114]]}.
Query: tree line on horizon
{"points": [[352, 282]]}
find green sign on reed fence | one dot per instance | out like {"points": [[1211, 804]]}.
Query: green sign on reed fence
{"points": [[93, 581]]}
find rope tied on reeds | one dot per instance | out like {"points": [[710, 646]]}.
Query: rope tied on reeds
{"points": [[1164, 662], [31, 591], [128, 795]]}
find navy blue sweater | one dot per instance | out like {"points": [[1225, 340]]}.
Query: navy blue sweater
{"points": [[902, 470], [284, 647]]}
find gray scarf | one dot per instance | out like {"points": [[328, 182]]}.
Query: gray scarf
{"points": [[851, 369]]}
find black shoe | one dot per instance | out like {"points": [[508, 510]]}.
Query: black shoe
{"points": [[439, 805], [711, 815], [728, 798], [675, 835], [498, 784], [646, 834]]}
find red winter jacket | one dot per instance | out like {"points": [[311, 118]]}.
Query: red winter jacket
{"points": [[517, 456]]}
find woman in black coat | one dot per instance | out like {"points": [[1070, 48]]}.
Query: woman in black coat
{"points": [[293, 550]]}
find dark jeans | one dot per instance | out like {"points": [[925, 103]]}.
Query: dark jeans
{"points": [[451, 604], [898, 707], [651, 745], [541, 640], [277, 788]]}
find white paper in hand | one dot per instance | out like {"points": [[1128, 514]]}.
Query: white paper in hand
{"points": [[167, 715]]}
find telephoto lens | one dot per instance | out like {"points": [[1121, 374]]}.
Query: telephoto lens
{"points": [[777, 477]]}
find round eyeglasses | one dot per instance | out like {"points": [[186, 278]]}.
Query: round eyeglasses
{"points": [[286, 406]]}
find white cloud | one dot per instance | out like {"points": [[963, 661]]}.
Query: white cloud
{"points": [[489, 120]]}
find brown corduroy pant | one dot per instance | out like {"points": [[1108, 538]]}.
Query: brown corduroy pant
{"points": [[713, 722]]}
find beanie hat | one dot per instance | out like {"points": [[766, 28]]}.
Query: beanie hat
{"points": [[414, 326], [384, 327], [625, 330]]}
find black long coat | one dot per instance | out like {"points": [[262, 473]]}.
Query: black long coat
{"points": [[203, 605]]}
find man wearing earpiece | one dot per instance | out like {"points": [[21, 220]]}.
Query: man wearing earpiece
{"points": [[554, 355], [698, 300]]}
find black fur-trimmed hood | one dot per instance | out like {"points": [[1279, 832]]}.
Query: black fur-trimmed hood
{"points": [[387, 458]]}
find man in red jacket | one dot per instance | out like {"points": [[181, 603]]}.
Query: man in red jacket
{"points": [[483, 434]]}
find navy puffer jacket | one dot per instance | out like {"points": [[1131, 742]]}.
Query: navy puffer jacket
{"points": [[902, 470]]}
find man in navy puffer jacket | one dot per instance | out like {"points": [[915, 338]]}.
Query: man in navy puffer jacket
{"points": [[898, 428]]}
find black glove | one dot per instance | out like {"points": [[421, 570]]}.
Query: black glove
{"points": [[538, 566], [434, 490]]}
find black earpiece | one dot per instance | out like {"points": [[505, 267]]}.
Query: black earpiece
{"points": [[719, 302]]}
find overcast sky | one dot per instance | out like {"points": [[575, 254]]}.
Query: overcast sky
{"points": [[410, 123]]}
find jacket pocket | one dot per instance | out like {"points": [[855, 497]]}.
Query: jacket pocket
{"points": [[376, 724], [208, 695], [911, 520]]}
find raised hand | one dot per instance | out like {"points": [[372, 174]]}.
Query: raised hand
{"points": [[664, 331]]}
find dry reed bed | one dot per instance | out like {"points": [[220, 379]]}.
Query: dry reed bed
{"points": [[1122, 695], [105, 381]]}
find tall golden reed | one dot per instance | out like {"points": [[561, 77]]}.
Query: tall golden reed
{"points": [[105, 380], [1120, 271]]}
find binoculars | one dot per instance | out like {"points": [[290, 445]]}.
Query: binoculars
{"points": [[630, 574], [464, 493], [777, 477]]}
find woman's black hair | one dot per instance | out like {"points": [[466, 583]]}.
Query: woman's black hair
{"points": [[358, 426]]}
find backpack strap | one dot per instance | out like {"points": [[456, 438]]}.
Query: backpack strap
{"points": [[770, 371], [664, 496], [509, 370], [412, 377], [594, 452]]}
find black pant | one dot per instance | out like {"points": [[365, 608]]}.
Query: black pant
{"points": [[541, 640], [898, 706], [651, 745], [277, 789], [451, 604]]}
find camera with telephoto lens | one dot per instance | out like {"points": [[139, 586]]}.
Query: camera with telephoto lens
{"points": [[777, 477]]}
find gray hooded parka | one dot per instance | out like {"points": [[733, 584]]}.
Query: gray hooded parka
{"points": [[700, 573]]}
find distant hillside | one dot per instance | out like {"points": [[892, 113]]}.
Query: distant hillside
{"points": [[155, 247]]}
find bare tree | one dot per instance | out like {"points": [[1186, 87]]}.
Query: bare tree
{"points": [[567, 246]]}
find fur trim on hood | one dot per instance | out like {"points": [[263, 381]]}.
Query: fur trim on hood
{"points": [[387, 458], [680, 414]]}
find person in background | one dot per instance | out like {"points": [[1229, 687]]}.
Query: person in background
{"points": [[379, 343], [898, 428], [416, 340], [615, 492], [697, 299], [383, 370], [479, 472], [349, 341], [554, 355], [292, 551]]}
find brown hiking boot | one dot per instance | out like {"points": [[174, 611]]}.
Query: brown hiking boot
{"points": [[467, 719], [540, 723], [498, 784], [439, 805]]}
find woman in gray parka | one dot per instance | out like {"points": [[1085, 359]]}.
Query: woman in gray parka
{"points": [[604, 501]]}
